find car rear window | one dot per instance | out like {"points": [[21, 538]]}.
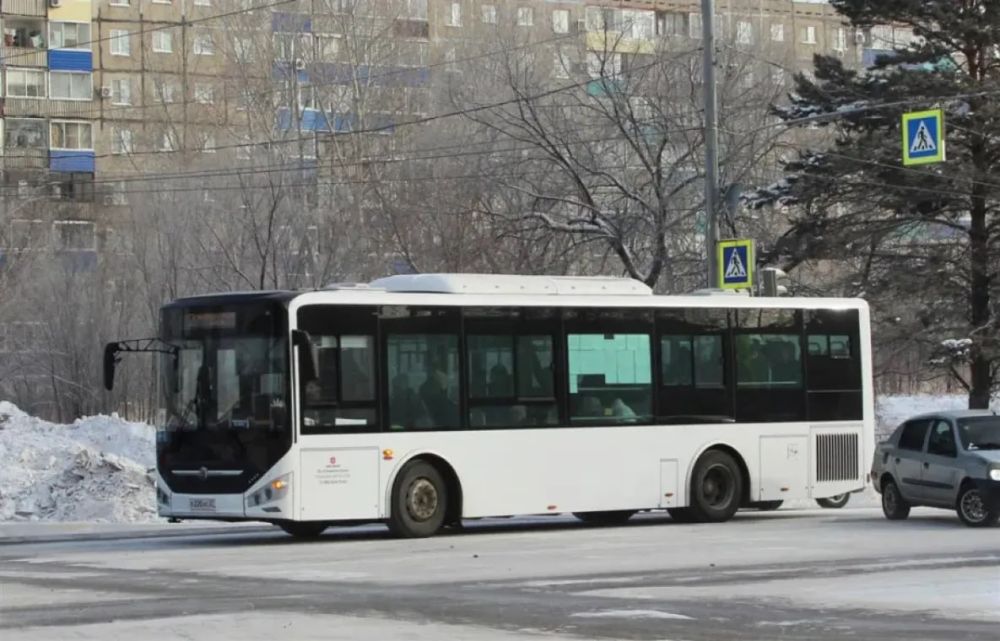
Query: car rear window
{"points": [[913, 435]]}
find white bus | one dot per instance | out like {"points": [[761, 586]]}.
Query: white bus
{"points": [[420, 400]]}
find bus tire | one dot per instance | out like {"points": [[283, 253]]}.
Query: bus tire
{"points": [[303, 529], [613, 517], [419, 501], [834, 502], [716, 487]]}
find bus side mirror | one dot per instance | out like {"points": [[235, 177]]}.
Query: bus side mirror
{"points": [[307, 364], [110, 360]]}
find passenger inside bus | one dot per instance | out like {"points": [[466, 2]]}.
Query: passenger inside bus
{"points": [[442, 411]]}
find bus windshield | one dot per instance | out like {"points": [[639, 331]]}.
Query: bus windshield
{"points": [[225, 394]]}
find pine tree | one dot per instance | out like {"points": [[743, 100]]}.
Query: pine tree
{"points": [[926, 237]]}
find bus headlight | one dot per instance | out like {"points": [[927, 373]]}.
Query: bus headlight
{"points": [[273, 491], [995, 474]]}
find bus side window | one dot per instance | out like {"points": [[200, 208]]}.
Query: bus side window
{"points": [[610, 378]]}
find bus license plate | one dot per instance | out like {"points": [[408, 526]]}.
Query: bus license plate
{"points": [[202, 505]]}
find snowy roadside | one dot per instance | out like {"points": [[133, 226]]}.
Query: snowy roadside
{"points": [[94, 470], [97, 470]]}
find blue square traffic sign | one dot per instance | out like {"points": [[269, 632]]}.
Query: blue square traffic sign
{"points": [[735, 264], [923, 137]]}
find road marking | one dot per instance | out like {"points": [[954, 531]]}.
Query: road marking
{"points": [[632, 614]]}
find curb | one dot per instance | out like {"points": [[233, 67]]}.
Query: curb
{"points": [[140, 534]]}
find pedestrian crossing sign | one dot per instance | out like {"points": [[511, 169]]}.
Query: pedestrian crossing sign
{"points": [[923, 137], [735, 264]]}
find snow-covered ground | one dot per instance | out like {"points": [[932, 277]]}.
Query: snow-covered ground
{"points": [[97, 469], [93, 470]]}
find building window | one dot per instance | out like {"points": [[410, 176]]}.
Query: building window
{"points": [[453, 18], [243, 150], [203, 3], [525, 16], [121, 142], [120, 44], [560, 21], [25, 83], [778, 32], [121, 92], [163, 91], [168, 141], [244, 100], [489, 14], [449, 60], [560, 66], [75, 235], [24, 133], [809, 35], [203, 45], [161, 1], [119, 3], [694, 26], [163, 42], [327, 47], [607, 65], [119, 196], [70, 85], [71, 135], [416, 10], [26, 233], [207, 144], [744, 33], [243, 49], [69, 35], [840, 40], [204, 94]]}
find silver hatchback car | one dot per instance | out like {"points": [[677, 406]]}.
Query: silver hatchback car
{"points": [[947, 459]]}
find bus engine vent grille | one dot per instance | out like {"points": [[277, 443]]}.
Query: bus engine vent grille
{"points": [[837, 457]]}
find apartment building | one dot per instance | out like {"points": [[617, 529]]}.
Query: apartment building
{"points": [[96, 91]]}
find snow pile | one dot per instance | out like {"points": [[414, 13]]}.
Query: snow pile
{"points": [[93, 470]]}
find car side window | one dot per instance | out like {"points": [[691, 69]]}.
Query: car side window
{"points": [[942, 440], [914, 433]]}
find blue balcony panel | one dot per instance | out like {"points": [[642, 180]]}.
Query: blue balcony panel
{"points": [[67, 160], [287, 22], [71, 60], [314, 120]]}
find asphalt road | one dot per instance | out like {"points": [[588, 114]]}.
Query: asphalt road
{"points": [[792, 574]]}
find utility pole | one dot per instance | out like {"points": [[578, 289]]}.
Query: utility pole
{"points": [[711, 140]]}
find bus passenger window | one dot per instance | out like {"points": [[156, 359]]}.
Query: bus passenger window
{"points": [[610, 378], [510, 381], [423, 381], [768, 360], [676, 354]]}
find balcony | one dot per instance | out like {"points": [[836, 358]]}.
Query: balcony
{"points": [[24, 41], [25, 158], [36, 8]]}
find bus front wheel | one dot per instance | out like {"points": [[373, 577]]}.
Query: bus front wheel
{"points": [[834, 502], [716, 487], [614, 517], [419, 501]]}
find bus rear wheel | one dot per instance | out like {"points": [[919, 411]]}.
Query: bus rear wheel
{"points": [[303, 529], [613, 517], [419, 501], [716, 487]]}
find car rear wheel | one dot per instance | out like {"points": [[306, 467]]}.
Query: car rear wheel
{"points": [[615, 517], [972, 509], [894, 506], [835, 502]]}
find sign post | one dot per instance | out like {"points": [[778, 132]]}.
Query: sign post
{"points": [[923, 137], [735, 264]]}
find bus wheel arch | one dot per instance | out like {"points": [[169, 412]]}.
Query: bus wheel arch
{"points": [[454, 494], [720, 456]]}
